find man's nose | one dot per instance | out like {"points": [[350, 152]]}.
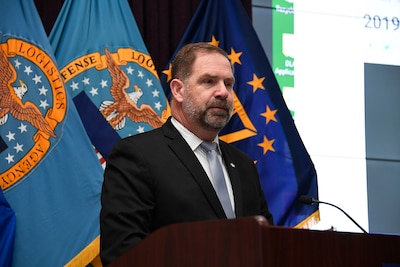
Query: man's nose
{"points": [[222, 90]]}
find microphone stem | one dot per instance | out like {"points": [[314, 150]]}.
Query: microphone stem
{"points": [[348, 216]]}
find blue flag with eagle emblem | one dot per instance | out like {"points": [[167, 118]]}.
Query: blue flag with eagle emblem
{"points": [[108, 70], [261, 124], [7, 233], [50, 174]]}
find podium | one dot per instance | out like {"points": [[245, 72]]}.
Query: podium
{"points": [[251, 242]]}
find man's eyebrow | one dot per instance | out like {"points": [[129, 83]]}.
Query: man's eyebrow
{"points": [[210, 76], [207, 75], [231, 79]]}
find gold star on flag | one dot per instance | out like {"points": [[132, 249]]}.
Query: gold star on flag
{"points": [[168, 72], [267, 145], [234, 57], [269, 115], [214, 41], [257, 83]]}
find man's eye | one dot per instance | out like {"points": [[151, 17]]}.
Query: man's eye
{"points": [[229, 85]]}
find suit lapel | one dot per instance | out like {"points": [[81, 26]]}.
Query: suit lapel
{"points": [[234, 177], [189, 159]]}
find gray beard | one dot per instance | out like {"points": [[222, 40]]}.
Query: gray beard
{"points": [[207, 118]]}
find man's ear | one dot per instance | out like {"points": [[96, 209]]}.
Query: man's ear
{"points": [[177, 88]]}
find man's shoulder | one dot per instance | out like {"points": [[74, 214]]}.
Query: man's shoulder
{"points": [[157, 132], [154, 135]]}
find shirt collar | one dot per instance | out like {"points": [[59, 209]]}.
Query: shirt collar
{"points": [[190, 137]]}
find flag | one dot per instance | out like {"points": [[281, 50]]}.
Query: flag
{"points": [[49, 171], [7, 226], [108, 70], [261, 124]]}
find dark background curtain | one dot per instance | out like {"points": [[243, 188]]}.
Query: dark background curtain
{"points": [[161, 22]]}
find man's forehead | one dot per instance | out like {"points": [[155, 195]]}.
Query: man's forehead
{"points": [[214, 60]]}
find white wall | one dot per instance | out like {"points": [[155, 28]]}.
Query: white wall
{"points": [[332, 41]]}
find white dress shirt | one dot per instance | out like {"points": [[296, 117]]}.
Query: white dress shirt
{"points": [[194, 142]]}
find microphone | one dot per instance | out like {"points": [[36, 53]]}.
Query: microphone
{"points": [[309, 201]]}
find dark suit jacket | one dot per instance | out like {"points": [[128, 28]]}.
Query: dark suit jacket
{"points": [[154, 179]]}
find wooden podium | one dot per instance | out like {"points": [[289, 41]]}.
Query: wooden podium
{"points": [[251, 242]]}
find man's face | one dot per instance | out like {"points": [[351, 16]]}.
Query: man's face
{"points": [[208, 94]]}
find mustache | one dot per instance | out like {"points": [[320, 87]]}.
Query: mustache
{"points": [[218, 103]]}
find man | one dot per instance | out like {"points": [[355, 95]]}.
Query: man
{"points": [[163, 176]]}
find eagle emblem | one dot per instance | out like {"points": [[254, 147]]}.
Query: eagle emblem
{"points": [[11, 99], [125, 103]]}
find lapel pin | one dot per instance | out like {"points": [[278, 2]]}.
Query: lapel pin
{"points": [[233, 165]]}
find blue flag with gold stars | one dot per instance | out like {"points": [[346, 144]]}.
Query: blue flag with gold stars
{"points": [[261, 125], [108, 70], [49, 171]]}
